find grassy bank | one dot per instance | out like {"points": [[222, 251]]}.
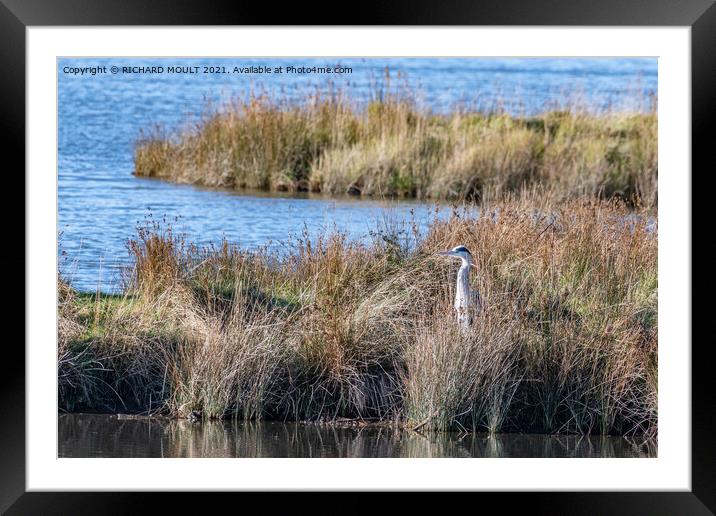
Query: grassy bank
{"points": [[390, 148], [567, 342]]}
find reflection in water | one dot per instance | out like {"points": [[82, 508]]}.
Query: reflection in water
{"points": [[95, 435]]}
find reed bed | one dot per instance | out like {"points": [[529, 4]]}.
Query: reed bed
{"points": [[389, 147], [567, 342]]}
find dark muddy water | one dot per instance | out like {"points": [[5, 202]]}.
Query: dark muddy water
{"points": [[94, 435]]}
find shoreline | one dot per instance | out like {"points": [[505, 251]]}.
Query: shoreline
{"points": [[567, 342], [351, 424]]}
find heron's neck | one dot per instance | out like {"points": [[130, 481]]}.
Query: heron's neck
{"points": [[462, 292]]}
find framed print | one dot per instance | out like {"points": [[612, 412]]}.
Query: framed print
{"points": [[453, 256]]}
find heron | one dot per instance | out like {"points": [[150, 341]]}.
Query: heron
{"points": [[467, 299]]}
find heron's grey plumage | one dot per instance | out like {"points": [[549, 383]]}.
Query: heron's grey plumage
{"points": [[467, 299]]}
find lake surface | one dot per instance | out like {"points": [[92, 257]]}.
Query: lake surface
{"points": [[100, 202], [100, 435]]}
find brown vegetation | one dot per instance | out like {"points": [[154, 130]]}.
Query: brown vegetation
{"points": [[567, 342]]}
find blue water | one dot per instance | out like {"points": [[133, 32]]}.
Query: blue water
{"points": [[100, 118]]}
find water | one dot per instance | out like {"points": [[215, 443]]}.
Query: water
{"points": [[97, 435], [100, 117]]}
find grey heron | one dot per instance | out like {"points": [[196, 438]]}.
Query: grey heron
{"points": [[467, 300]]}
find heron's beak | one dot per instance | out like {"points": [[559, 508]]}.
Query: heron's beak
{"points": [[444, 253]]}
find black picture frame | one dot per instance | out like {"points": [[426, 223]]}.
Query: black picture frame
{"points": [[700, 15]]}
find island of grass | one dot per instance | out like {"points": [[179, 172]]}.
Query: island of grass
{"points": [[335, 330], [389, 148]]}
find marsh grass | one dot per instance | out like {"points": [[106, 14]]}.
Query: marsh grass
{"points": [[331, 328], [329, 143]]}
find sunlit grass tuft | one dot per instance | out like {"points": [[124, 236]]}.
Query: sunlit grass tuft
{"points": [[329, 143], [567, 342]]}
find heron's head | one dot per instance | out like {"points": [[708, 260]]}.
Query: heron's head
{"points": [[460, 252]]}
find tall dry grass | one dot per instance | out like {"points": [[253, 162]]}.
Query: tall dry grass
{"points": [[329, 143], [567, 342]]}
